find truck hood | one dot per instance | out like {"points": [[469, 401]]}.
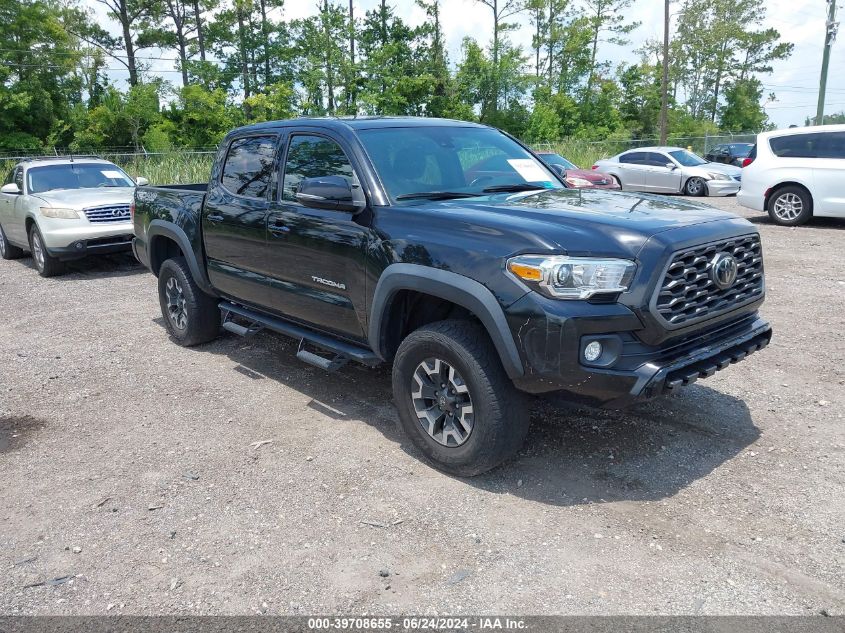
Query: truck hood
{"points": [[80, 199], [588, 220]]}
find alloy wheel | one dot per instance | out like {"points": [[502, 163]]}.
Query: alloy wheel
{"points": [[694, 186], [2, 243], [442, 402], [788, 206], [177, 308], [37, 250]]}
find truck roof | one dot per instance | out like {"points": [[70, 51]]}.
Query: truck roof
{"points": [[358, 123]]}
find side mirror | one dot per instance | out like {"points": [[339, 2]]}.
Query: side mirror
{"points": [[140, 181], [327, 192], [671, 166], [12, 187], [560, 170]]}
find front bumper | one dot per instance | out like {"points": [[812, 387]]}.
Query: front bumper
{"points": [[722, 187], [63, 236], [551, 346]]}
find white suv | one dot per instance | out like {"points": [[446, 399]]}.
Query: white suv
{"points": [[796, 174], [65, 208]]}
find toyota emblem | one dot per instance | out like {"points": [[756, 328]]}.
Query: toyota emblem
{"points": [[723, 270]]}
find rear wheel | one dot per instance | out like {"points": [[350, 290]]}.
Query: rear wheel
{"points": [[45, 264], [191, 316], [790, 206], [455, 401], [7, 250]]}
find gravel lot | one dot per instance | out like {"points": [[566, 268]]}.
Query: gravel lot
{"points": [[127, 463]]}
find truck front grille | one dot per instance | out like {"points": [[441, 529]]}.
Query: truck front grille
{"points": [[116, 213], [688, 293]]}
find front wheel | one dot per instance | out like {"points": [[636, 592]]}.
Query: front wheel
{"points": [[455, 401], [191, 316], [790, 206], [695, 187], [45, 264]]}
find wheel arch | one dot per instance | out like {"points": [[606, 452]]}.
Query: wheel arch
{"points": [[165, 240], [787, 183], [445, 286]]}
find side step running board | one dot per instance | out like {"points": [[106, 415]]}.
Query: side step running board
{"points": [[342, 350]]}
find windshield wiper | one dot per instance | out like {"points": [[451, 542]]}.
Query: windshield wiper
{"points": [[437, 195], [512, 188]]}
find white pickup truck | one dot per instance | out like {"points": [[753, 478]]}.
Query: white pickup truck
{"points": [[64, 208]]}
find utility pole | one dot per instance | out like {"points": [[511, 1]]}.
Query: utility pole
{"points": [[829, 36], [664, 82]]}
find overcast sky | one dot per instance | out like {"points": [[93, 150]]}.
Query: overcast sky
{"points": [[794, 82]]}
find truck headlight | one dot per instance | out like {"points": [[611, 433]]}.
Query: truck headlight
{"points": [[563, 277], [60, 213]]}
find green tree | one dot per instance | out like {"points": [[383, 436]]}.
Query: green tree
{"points": [[741, 111]]}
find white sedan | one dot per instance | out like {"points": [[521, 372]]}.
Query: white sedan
{"points": [[670, 170], [61, 209]]}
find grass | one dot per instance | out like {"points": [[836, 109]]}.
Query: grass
{"points": [[160, 169]]}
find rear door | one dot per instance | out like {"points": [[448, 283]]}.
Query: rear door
{"points": [[632, 170], [829, 174], [315, 257], [7, 206], [234, 217]]}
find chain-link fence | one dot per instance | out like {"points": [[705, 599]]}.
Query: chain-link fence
{"points": [[194, 164]]}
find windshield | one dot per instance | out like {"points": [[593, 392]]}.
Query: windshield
{"points": [[450, 159], [557, 159], [687, 159], [76, 176]]}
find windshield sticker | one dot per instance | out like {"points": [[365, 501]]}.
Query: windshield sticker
{"points": [[111, 173], [528, 169]]}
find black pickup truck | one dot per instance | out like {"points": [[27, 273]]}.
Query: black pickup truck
{"points": [[448, 249]]}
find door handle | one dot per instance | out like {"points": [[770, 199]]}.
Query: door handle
{"points": [[214, 218], [278, 228]]}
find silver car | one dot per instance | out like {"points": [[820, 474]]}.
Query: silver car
{"points": [[671, 170], [60, 209]]}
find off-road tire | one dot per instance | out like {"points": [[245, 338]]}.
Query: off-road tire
{"points": [[784, 206], [45, 264], [7, 250], [500, 412], [201, 311]]}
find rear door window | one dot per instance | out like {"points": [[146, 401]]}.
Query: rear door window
{"points": [[833, 145], [248, 169], [797, 145], [634, 158]]}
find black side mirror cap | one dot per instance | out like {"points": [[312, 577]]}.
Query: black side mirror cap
{"points": [[327, 192]]}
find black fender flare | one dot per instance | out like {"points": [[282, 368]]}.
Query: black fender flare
{"points": [[450, 286], [161, 228]]}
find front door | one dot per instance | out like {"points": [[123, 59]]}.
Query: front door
{"points": [[661, 178], [316, 257], [234, 218]]}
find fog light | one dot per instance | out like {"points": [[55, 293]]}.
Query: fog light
{"points": [[592, 351]]}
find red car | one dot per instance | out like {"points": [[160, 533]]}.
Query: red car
{"points": [[578, 178]]}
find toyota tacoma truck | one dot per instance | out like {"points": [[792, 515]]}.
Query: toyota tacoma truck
{"points": [[399, 240]]}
